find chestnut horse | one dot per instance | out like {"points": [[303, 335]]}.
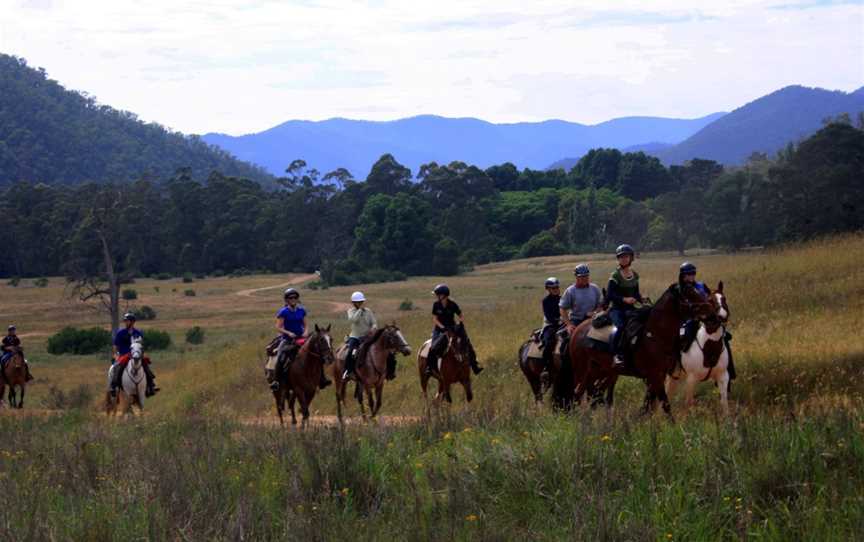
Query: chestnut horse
{"points": [[655, 356], [454, 367], [301, 378], [15, 376], [385, 342]]}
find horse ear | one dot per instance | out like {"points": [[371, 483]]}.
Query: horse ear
{"points": [[720, 286], [317, 329], [328, 328]]}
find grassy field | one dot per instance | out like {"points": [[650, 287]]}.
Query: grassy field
{"points": [[206, 461]]}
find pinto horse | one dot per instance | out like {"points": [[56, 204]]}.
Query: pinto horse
{"points": [[707, 357], [381, 345], [300, 379], [15, 376], [655, 356], [454, 367]]}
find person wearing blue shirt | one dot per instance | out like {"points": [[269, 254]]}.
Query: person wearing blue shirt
{"points": [[122, 346], [291, 324]]}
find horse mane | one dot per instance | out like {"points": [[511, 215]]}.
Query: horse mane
{"points": [[377, 335]]}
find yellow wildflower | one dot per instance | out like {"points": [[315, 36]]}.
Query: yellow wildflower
{"points": [[471, 517]]}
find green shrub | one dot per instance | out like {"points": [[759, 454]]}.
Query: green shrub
{"points": [[163, 276], [14, 281], [156, 289], [217, 273], [187, 278], [189, 293], [406, 305], [156, 340], [195, 335], [129, 294], [200, 276], [70, 340], [57, 399], [146, 313], [40, 282]]}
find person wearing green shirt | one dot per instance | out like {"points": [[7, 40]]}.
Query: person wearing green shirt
{"points": [[623, 294]]}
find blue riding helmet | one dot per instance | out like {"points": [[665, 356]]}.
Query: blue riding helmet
{"points": [[687, 268], [291, 292], [582, 270], [552, 282]]}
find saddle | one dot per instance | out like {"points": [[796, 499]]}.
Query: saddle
{"points": [[601, 329]]}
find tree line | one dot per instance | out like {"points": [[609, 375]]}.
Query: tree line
{"points": [[448, 217]]}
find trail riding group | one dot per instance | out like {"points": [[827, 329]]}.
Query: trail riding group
{"points": [[589, 338]]}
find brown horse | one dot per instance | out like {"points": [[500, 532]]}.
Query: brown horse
{"points": [[371, 375], [559, 377], [654, 357], [301, 378], [15, 376], [454, 367]]}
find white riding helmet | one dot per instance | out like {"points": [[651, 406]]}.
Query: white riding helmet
{"points": [[357, 297]]}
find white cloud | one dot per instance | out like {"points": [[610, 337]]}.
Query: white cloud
{"points": [[238, 67]]}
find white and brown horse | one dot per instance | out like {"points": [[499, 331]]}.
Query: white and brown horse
{"points": [[707, 358]]}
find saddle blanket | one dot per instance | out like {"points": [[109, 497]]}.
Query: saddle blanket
{"points": [[535, 347], [603, 335]]}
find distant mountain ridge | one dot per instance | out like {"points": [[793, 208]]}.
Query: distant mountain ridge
{"points": [[53, 135], [766, 124], [356, 144]]}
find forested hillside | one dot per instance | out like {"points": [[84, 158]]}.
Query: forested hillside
{"points": [[457, 215], [53, 135], [765, 125]]}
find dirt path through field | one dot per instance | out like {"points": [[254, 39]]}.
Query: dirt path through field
{"points": [[332, 421], [296, 280]]}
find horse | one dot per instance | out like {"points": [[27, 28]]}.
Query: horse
{"points": [[453, 367], [300, 379], [559, 377], [371, 375], [15, 376], [133, 383], [655, 356], [707, 357]]}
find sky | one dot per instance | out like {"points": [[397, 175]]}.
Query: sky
{"points": [[239, 67]]}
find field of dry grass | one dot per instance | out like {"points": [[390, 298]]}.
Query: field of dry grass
{"points": [[792, 454]]}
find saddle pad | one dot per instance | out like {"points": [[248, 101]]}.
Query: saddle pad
{"points": [[342, 352], [603, 334], [271, 363], [424, 350], [535, 349]]}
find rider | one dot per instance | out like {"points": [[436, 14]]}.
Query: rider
{"points": [[623, 292], [122, 347], [581, 300], [363, 324], [10, 342], [551, 319], [687, 275], [444, 314], [291, 323]]}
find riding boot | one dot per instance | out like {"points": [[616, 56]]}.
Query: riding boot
{"points": [[350, 365], [323, 383], [391, 367], [277, 373], [116, 378], [151, 382], [431, 364]]}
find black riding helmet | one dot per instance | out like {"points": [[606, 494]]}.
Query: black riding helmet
{"points": [[624, 249], [441, 289], [129, 316], [11, 328], [687, 268], [291, 292], [552, 282]]}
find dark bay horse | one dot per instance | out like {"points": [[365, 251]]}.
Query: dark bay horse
{"points": [[301, 378], [371, 375], [15, 376], [454, 368], [655, 356], [560, 375]]}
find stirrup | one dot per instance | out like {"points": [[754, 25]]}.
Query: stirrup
{"points": [[274, 385]]}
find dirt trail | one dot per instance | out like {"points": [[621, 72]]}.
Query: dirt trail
{"points": [[331, 421], [296, 280]]}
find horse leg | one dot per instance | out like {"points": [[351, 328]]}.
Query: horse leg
{"points": [[21, 401], [13, 396], [672, 382], [371, 403], [292, 398], [279, 398], [723, 385], [447, 396], [610, 392], [379, 394], [469, 394], [340, 397], [358, 394], [690, 387]]}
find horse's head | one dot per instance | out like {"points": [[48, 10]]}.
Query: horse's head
{"points": [[321, 343], [136, 352], [394, 340], [692, 303], [718, 301]]}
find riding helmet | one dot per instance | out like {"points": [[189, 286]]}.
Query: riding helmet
{"points": [[292, 292], [357, 297], [624, 249], [129, 316], [441, 289], [687, 268], [552, 282], [582, 270], [11, 328]]}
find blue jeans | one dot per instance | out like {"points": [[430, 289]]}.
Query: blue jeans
{"points": [[619, 319], [351, 359]]}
